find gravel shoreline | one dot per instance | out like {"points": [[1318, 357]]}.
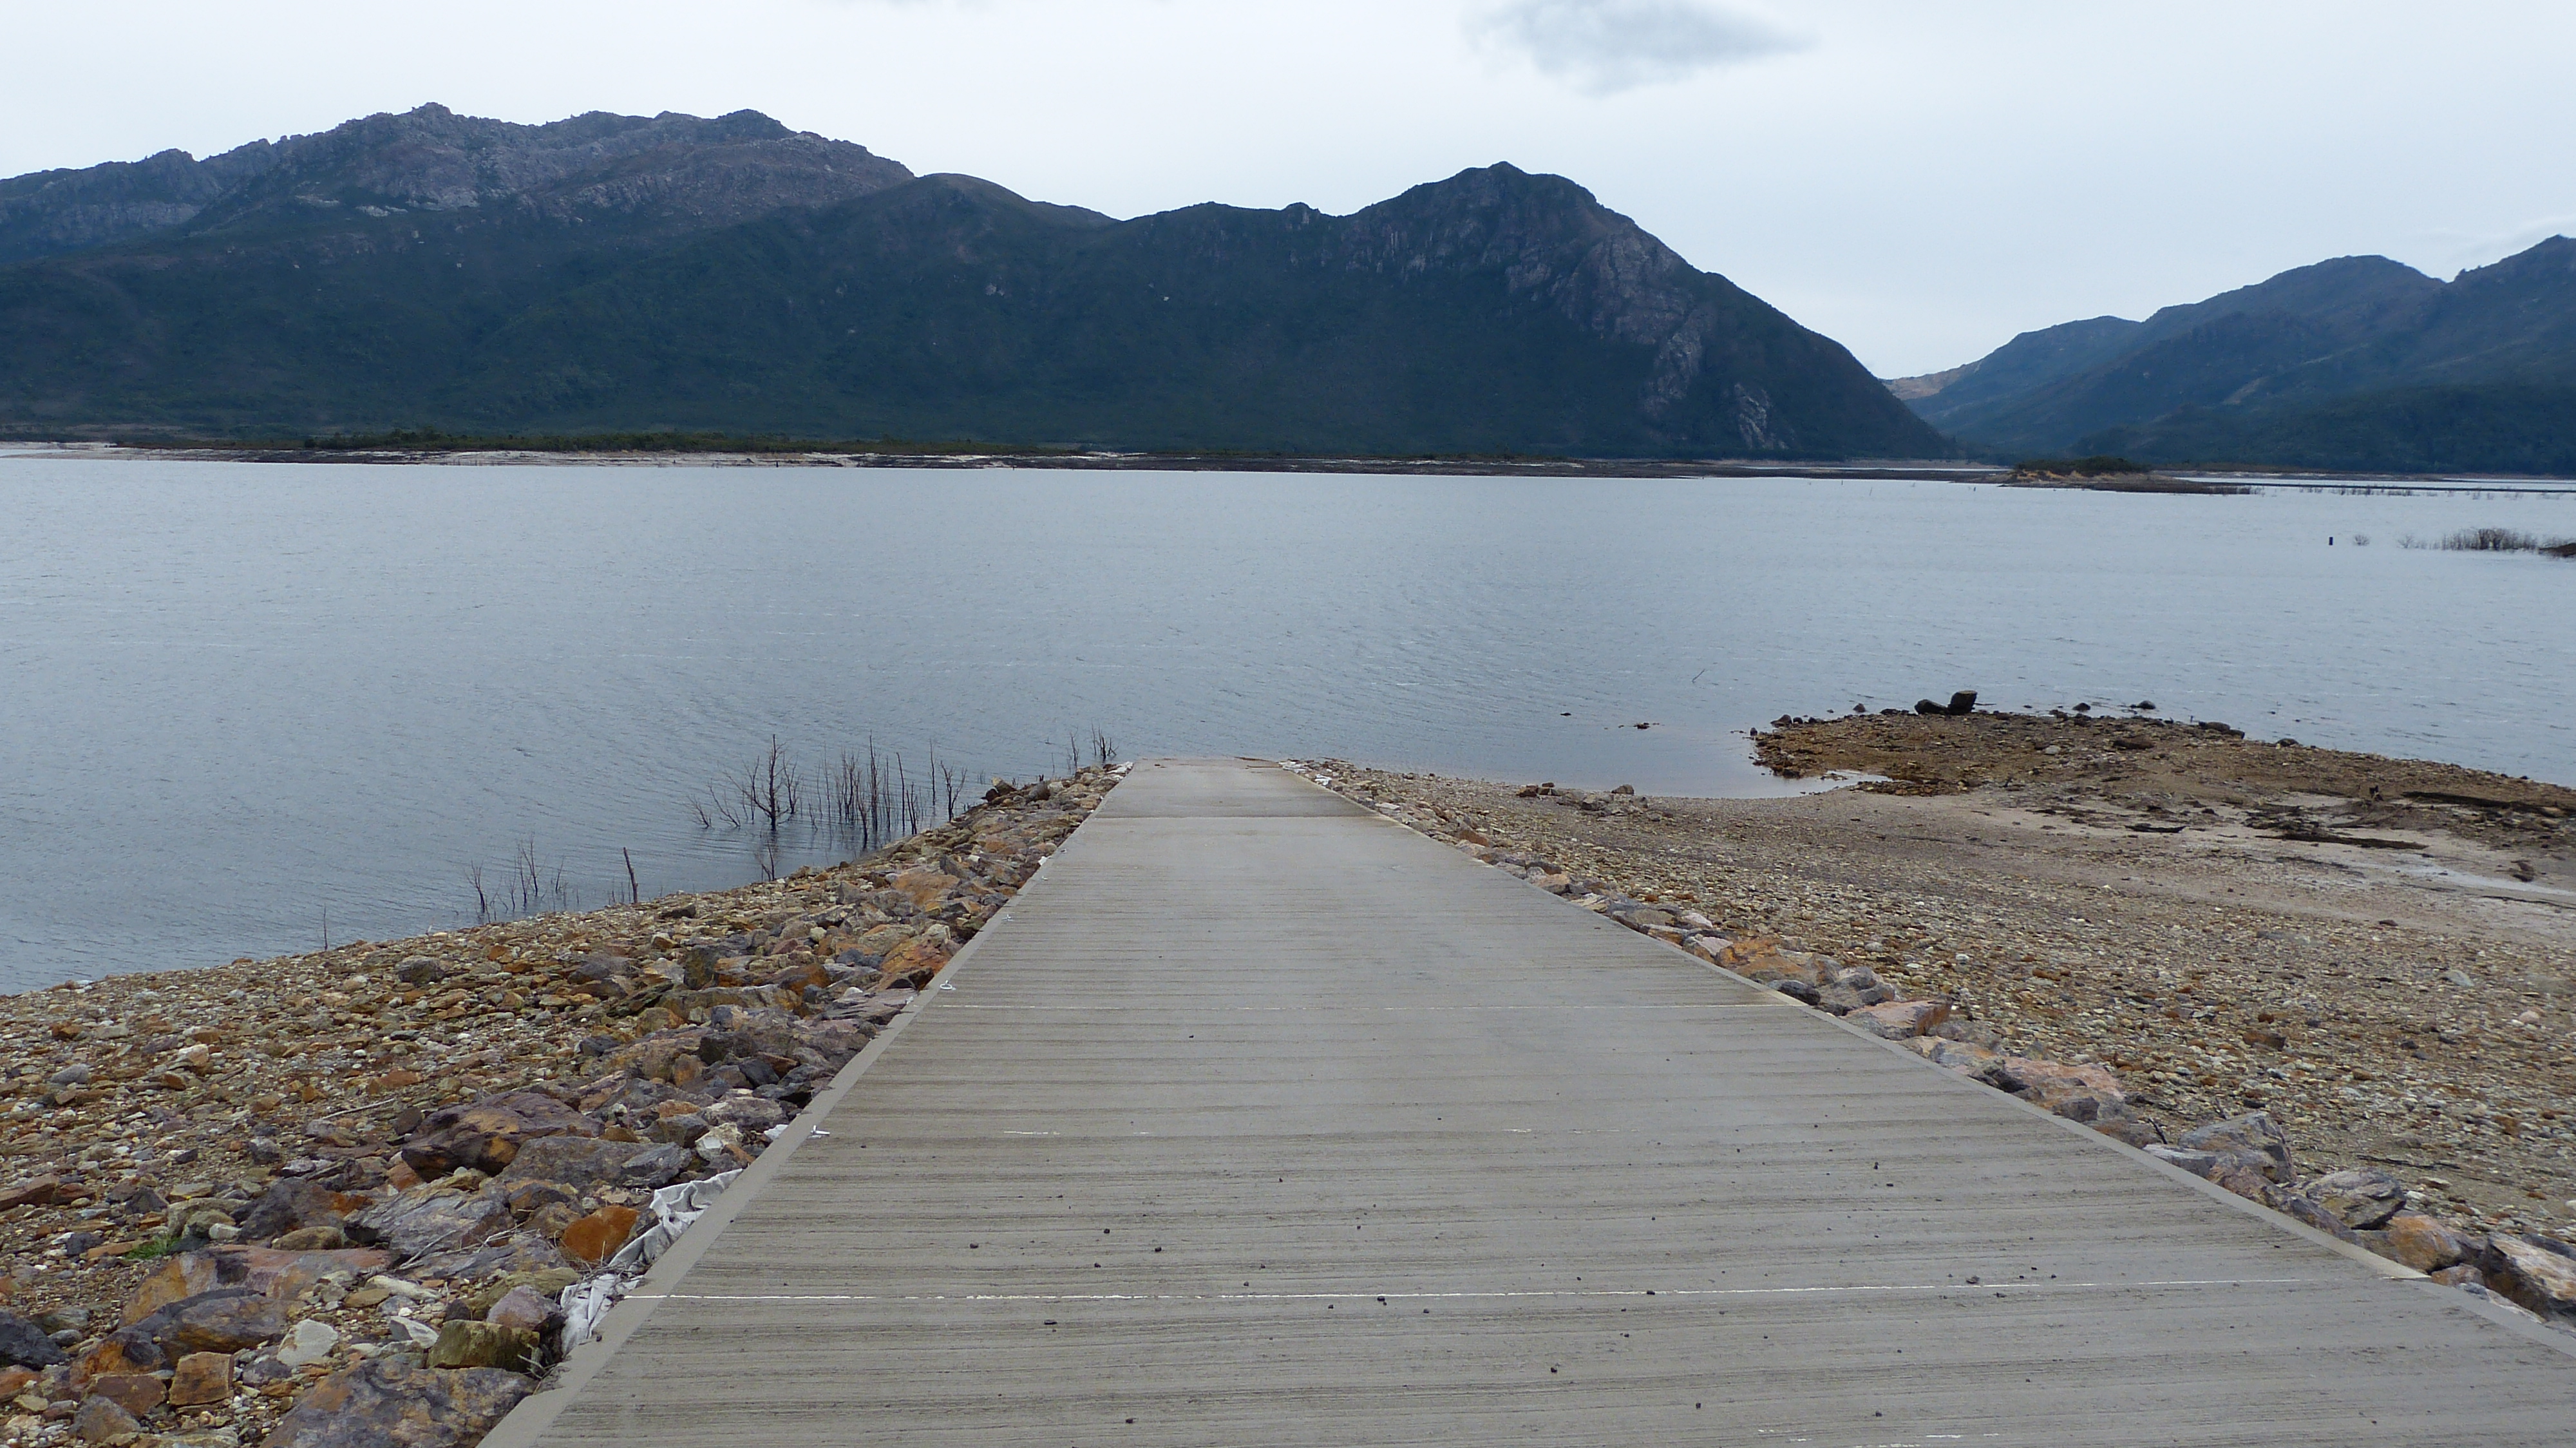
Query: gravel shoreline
{"points": [[346, 1197], [352, 1197], [2390, 1057]]}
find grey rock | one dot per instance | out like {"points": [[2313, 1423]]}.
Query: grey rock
{"points": [[751, 1114], [656, 1166], [488, 1133], [583, 1163], [1969, 1033], [2198, 1163], [226, 1319], [2255, 1132], [1843, 998], [681, 1130], [2537, 1272], [1797, 990], [292, 1204], [524, 1307], [2317, 1215], [383, 1402], [102, 1421], [2115, 1122], [2361, 1200], [519, 1252], [138, 1348], [23, 1344], [307, 1342], [472, 1344], [430, 1219]]}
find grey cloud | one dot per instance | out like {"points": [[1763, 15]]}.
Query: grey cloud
{"points": [[1605, 46]]}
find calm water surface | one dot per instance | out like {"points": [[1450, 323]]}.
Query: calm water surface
{"points": [[237, 698]]}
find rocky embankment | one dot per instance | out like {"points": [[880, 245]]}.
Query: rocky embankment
{"points": [[352, 1198], [2156, 1022]]}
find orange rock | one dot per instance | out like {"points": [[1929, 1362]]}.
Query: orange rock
{"points": [[42, 1192], [106, 1361], [807, 973], [926, 887], [401, 1177], [263, 1270], [2421, 1242], [14, 1381], [136, 1393], [396, 1080], [591, 1240], [201, 1377], [913, 963], [1898, 1020], [1751, 948]]}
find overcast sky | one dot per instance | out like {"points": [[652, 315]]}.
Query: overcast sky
{"points": [[1918, 180]]}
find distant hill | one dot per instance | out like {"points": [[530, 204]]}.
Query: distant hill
{"points": [[622, 273], [2358, 364]]}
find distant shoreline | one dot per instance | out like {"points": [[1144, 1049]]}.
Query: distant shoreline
{"points": [[2182, 480], [1436, 466]]}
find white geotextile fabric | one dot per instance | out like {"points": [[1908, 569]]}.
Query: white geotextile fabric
{"points": [[674, 1208]]}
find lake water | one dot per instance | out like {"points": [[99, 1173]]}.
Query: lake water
{"points": [[237, 699]]}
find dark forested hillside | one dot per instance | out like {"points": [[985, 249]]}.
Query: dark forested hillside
{"points": [[2358, 363], [615, 273]]}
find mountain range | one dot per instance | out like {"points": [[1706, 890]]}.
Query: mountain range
{"points": [[618, 273], [2359, 364]]}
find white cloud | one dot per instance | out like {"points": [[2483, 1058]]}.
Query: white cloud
{"points": [[1606, 46]]}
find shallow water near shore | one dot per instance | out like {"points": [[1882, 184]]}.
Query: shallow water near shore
{"points": [[236, 699]]}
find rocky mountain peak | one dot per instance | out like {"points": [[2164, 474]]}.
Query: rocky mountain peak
{"points": [[677, 170], [432, 159], [1555, 243]]}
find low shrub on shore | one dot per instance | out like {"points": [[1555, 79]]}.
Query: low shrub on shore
{"points": [[2100, 465], [2495, 540]]}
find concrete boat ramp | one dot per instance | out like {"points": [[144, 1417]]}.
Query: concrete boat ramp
{"points": [[1258, 1119]]}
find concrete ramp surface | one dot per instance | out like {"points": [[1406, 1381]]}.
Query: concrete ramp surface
{"points": [[1260, 1120]]}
